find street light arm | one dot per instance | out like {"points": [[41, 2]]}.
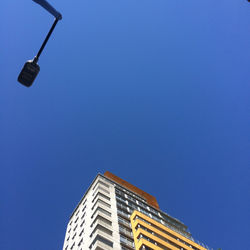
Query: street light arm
{"points": [[45, 41], [49, 8]]}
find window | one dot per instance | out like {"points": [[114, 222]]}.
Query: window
{"points": [[103, 240], [131, 198], [125, 214], [80, 234], [126, 241], [76, 219], [120, 198], [121, 206], [125, 230], [80, 242], [101, 202], [134, 207], [142, 205], [98, 195], [117, 191], [101, 219], [82, 223], [156, 218], [145, 212], [103, 189], [101, 183], [131, 195], [74, 236], [101, 228], [125, 248], [83, 216], [101, 210], [84, 202], [72, 245], [123, 221]]}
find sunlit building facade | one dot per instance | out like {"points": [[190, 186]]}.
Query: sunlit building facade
{"points": [[114, 214]]}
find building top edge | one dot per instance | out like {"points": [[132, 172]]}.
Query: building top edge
{"points": [[99, 174], [117, 183], [148, 197]]}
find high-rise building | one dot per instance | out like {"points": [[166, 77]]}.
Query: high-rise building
{"points": [[114, 214]]}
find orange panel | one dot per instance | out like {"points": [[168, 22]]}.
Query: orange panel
{"points": [[151, 200]]}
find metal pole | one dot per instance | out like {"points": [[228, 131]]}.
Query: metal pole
{"points": [[45, 41]]}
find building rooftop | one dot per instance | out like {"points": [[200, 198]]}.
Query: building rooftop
{"points": [[151, 200]]}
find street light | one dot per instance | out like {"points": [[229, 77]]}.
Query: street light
{"points": [[31, 68]]}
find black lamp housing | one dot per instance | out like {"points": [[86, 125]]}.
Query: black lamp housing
{"points": [[31, 69]]}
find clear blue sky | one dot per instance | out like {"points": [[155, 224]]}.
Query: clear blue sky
{"points": [[156, 92]]}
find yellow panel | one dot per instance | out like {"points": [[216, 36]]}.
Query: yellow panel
{"points": [[137, 221], [150, 220], [155, 238], [148, 244], [137, 243]]}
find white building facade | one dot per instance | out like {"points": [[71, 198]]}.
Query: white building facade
{"points": [[101, 220]]}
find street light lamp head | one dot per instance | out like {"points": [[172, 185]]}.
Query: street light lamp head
{"points": [[31, 69], [29, 72]]}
